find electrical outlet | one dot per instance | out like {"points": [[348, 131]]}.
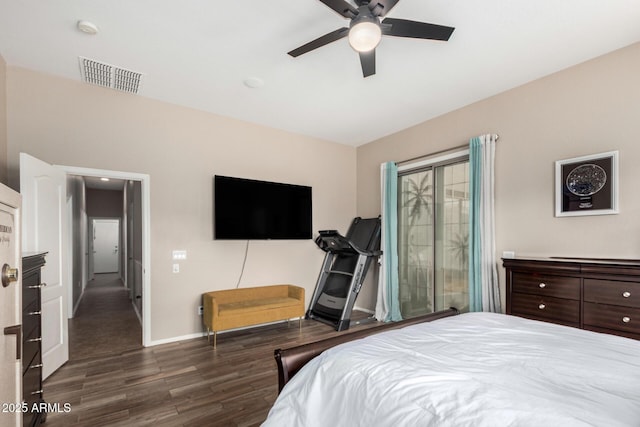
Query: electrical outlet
{"points": [[176, 268], [200, 310]]}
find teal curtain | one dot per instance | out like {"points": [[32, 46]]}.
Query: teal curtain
{"points": [[475, 268], [484, 289], [388, 303]]}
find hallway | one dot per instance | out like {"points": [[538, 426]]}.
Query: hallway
{"points": [[105, 321]]}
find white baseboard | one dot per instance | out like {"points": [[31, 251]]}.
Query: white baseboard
{"points": [[75, 307], [135, 308], [366, 310], [176, 339], [204, 333]]}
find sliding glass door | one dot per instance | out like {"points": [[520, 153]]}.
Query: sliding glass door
{"points": [[433, 236]]}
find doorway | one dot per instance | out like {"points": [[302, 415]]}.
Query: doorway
{"points": [[105, 319], [134, 245], [105, 240], [63, 257]]}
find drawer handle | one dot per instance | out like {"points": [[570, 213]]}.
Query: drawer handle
{"points": [[34, 339], [626, 294], [39, 365], [37, 392], [542, 285], [34, 313], [542, 306], [37, 286], [626, 319]]}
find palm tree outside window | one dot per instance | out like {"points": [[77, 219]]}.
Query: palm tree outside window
{"points": [[433, 230]]}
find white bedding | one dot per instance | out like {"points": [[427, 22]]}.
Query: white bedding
{"points": [[475, 369]]}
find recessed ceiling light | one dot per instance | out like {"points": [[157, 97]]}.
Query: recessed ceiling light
{"points": [[253, 82], [104, 179], [88, 27]]}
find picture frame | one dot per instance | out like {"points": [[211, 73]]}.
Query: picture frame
{"points": [[587, 185]]}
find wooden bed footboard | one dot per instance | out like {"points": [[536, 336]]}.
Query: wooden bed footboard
{"points": [[291, 360]]}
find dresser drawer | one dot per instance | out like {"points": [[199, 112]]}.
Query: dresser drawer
{"points": [[30, 347], [30, 295], [31, 391], [612, 317], [547, 285], [546, 308], [31, 318], [612, 292]]}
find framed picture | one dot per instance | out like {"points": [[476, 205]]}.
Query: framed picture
{"points": [[587, 185]]}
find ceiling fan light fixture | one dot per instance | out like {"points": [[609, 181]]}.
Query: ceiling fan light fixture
{"points": [[364, 36], [367, 26]]}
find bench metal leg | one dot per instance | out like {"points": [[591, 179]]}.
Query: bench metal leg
{"points": [[299, 323], [208, 335], [215, 336]]}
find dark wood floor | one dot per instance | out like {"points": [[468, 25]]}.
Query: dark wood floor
{"points": [[179, 384], [104, 321]]}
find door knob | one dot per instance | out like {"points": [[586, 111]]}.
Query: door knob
{"points": [[9, 275]]}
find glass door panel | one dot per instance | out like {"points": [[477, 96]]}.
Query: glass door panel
{"points": [[433, 223], [452, 237], [415, 243]]}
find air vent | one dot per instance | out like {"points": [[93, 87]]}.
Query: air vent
{"points": [[98, 73]]}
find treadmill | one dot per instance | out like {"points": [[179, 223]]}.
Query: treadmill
{"points": [[343, 271]]}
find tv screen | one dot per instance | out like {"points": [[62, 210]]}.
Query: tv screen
{"points": [[257, 210]]}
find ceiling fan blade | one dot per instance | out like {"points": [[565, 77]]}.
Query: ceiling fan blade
{"points": [[381, 7], [368, 62], [320, 41], [418, 30], [341, 7]]}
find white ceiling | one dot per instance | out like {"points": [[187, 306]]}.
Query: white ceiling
{"points": [[197, 53]]}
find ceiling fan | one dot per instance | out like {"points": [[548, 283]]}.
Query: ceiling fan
{"points": [[366, 29]]}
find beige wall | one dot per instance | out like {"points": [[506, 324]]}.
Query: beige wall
{"points": [[590, 108], [104, 203], [76, 190], [3, 120], [70, 123]]}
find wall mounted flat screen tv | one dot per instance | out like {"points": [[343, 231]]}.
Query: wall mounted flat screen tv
{"points": [[258, 210]]}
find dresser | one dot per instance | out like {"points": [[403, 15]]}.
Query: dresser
{"points": [[601, 295], [32, 338]]}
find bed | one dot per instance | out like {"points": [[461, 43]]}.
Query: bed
{"points": [[474, 369]]}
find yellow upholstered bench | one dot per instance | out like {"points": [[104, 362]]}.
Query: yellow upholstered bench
{"points": [[236, 308]]}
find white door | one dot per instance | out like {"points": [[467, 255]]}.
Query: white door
{"points": [[106, 235], [44, 220], [10, 309]]}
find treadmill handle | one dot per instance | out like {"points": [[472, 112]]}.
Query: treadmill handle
{"points": [[365, 253]]}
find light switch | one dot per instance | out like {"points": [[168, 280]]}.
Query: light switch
{"points": [[176, 268], [179, 255]]}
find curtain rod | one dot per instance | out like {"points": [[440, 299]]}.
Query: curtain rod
{"points": [[426, 156]]}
